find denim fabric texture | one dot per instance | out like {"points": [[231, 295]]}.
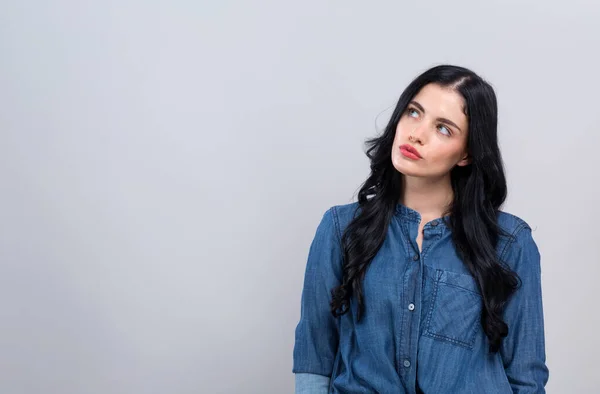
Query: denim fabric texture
{"points": [[311, 383], [421, 331]]}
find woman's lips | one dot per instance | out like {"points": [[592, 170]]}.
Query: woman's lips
{"points": [[410, 152]]}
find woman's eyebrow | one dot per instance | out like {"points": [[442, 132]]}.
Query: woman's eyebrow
{"points": [[443, 120]]}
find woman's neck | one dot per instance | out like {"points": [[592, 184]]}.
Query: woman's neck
{"points": [[430, 197]]}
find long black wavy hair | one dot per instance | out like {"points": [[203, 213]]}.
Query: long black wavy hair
{"points": [[479, 191]]}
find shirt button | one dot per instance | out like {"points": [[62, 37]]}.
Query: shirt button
{"points": [[406, 363], [434, 223], [411, 307], [416, 257]]}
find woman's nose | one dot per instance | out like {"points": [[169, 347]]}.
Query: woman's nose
{"points": [[417, 133]]}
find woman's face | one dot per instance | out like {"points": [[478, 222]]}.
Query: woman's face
{"points": [[434, 124]]}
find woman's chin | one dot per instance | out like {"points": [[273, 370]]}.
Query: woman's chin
{"points": [[406, 167]]}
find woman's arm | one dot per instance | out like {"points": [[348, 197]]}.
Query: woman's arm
{"points": [[523, 350], [317, 333]]}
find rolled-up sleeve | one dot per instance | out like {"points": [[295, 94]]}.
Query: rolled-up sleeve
{"points": [[311, 383], [523, 350], [317, 332]]}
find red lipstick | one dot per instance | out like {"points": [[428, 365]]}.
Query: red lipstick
{"points": [[410, 152]]}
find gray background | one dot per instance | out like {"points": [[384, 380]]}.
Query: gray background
{"points": [[164, 166]]}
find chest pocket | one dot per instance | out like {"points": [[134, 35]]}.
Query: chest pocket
{"points": [[455, 304]]}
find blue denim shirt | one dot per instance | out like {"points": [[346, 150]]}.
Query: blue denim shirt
{"points": [[421, 330]]}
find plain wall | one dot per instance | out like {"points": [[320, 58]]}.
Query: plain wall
{"points": [[164, 166]]}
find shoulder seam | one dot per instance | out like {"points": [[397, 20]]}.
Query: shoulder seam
{"points": [[513, 237], [336, 224]]}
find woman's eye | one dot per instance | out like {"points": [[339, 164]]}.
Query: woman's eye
{"points": [[444, 130], [412, 112]]}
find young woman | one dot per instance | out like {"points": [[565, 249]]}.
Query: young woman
{"points": [[424, 285]]}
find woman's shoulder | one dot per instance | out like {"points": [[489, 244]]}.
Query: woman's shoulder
{"points": [[511, 223], [341, 215], [517, 236], [345, 210]]}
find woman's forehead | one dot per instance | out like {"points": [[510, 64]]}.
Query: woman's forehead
{"points": [[441, 101]]}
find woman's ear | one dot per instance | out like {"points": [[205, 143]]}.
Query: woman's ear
{"points": [[466, 160]]}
